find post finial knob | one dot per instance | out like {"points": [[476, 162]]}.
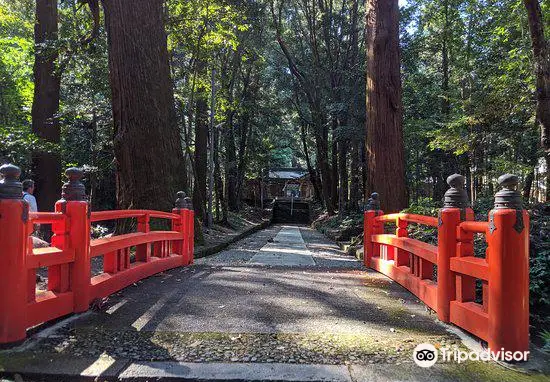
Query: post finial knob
{"points": [[188, 202], [374, 202], [10, 186], [74, 189], [456, 196], [509, 196], [180, 201]]}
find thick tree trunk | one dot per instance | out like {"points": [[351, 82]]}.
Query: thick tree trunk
{"points": [[312, 173], [321, 141], [541, 52], [385, 148], [147, 142], [528, 186], [46, 167], [231, 167], [221, 202], [201, 154], [251, 87], [243, 147]]}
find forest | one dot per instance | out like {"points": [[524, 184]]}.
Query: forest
{"points": [[151, 97]]}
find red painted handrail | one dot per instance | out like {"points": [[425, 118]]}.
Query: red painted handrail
{"points": [[416, 247], [46, 217], [99, 247], [411, 218], [476, 227], [125, 214]]}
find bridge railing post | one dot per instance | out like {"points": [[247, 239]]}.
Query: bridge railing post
{"points": [[74, 204], [181, 225], [143, 251], [401, 257], [370, 227], [508, 259], [456, 209], [190, 230], [14, 237]]}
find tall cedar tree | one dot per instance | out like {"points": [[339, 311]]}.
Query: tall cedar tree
{"points": [[46, 166], [541, 52], [201, 155], [147, 142], [385, 147]]}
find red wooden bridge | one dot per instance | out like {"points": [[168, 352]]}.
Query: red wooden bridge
{"points": [[127, 258], [443, 276]]}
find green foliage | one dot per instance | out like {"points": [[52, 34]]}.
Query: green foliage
{"points": [[545, 336], [540, 265], [16, 87], [427, 207], [18, 142], [423, 206], [476, 118]]}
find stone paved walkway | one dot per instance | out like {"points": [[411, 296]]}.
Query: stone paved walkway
{"points": [[282, 304]]}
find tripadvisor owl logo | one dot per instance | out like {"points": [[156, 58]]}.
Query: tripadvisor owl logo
{"points": [[425, 355]]}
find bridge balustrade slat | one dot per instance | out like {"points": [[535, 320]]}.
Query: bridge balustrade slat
{"points": [[99, 247], [471, 266], [418, 248], [98, 216], [411, 218], [48, 257]]}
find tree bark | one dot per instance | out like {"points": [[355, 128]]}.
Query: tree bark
{"points": [[231, 166], [384, 143], [201, 154], [46, 167], [312, 173], [244, 130], [321, 144], [541, 52], [147, 142], [528, 186], [251, 86], [221, 202]]}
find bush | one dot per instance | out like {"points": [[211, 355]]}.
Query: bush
{"points": [[424, 206], [540, 266]]}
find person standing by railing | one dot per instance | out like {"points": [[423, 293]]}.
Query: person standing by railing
{"points": [[28, 195]]}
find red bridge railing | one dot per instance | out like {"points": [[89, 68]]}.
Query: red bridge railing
{"points": [[71, 286], [444, 276]]}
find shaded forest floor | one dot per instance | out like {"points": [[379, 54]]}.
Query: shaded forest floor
{"points": [[239, 224]]}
